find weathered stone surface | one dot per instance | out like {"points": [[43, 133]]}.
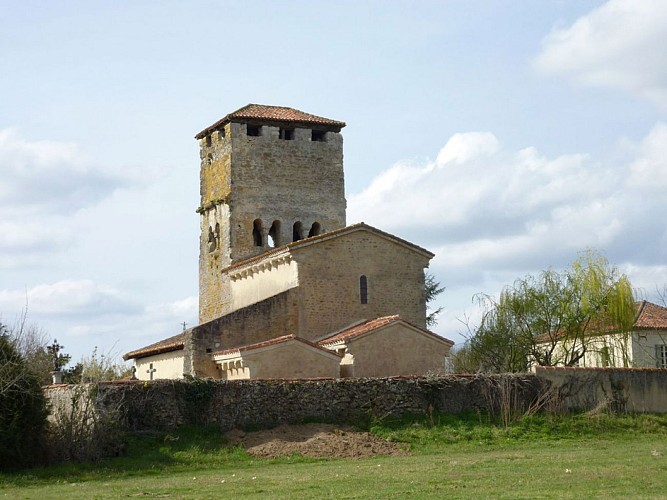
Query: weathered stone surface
{"points": [[264, 403], [267, 179], [166, 404]]}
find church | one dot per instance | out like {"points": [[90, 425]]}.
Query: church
{"points": [[286, 288]]}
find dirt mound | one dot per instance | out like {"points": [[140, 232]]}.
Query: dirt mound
{"points": [[314, 440]]}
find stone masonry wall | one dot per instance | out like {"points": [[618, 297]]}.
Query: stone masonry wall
{"points": [[269, 318], [215, 190], [286, 181], [166, 404], [245, 178], [329, 274], [162, 405], [632, 390]]}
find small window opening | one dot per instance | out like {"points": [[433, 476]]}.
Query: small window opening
{"points": [[212, 240], [254, 130], [286, 134], [208, 141], [318, 136], [363, 289], [274, 234], [209, 350], [315, 229], [221, 133], [661, 356], [257, 232], [605, 357], [297, 231]]}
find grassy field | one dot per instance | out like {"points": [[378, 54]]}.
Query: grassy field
{"points": [[577, 457]]}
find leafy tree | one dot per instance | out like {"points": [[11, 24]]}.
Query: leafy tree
{"points": [[550, 318], [23, 409], [73, 374], [432, 289]]}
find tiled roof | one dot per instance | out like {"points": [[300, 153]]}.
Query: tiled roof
{"points": [[266, 343], [650, 316], [171, 344], [325, 236], [272, 114], [371, 325]]}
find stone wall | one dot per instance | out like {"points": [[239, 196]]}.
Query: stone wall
{"points": [[264, 178], [165, 404], [329, 274], [632, 390], [270, 318]]}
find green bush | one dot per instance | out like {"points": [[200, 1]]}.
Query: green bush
{"points": [[23, 409]]}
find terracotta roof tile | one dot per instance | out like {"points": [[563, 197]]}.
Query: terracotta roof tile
{"points": [[170, 344], [274, 114], [369, 326], [650, 316], [270, 342]]}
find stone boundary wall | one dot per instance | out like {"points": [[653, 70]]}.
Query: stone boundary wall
{"points": [[625, 390], [248, 404]]}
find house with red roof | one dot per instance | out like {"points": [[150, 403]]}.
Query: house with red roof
{"points": [[645, 346], [287, 289]]}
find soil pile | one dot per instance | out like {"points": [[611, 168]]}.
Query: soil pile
{"points": [[314, 440]]}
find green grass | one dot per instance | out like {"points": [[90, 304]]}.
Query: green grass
{"points": [[468, 457]]}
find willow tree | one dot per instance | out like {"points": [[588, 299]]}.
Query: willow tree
{"points": [[550, 319]]}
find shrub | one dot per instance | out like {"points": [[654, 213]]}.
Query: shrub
{"points": [[23, 409], [85, 428]]}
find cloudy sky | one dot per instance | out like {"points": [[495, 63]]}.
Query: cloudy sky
{"points": [[504, 135]]}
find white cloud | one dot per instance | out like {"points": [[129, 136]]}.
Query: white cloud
{"points": [[50, 176], [44, 186], [492, 215], [68, 299], [487, 193], [648, 171], [619, 44]]}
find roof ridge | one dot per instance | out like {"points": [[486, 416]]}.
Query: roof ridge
{"points": [[270, 342], [322, 236], [271, 113]]}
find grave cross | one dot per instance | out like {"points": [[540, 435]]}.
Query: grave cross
{"points": [[151, 371]]}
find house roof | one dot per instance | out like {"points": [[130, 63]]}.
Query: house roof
{"points": [[372, 325], [167, 345], [359, 226], [260, 112], [650, 316], [270, 342]]}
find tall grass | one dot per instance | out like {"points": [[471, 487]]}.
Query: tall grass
{"points": [[425, 433]]}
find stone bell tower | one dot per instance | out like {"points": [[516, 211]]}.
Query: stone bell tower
{"points": [[269, 176]]}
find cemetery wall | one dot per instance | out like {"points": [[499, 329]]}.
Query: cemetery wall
{"points": [[165, 404]]}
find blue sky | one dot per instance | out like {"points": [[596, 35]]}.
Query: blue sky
{"points": [[505, 136]]}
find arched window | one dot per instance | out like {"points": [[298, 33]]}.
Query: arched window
{"points": [[315, 229], [212, 242], [257, 232], [363, 289], [297, 231], [274, 234]]}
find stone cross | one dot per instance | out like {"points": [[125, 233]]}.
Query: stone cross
{"points": [[151, 371]]}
